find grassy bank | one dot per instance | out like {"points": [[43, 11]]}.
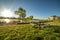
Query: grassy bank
{"points": [[28, 32]]}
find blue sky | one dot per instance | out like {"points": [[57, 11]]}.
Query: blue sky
{"points": [[37, 8]]}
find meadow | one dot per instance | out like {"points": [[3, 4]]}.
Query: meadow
{"points": [[28, 32]]}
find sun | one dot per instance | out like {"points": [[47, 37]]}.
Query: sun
{"points": [[7, 13]]}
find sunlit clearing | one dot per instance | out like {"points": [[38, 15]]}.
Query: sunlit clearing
{"points": [[7, 13], [7, 20]]}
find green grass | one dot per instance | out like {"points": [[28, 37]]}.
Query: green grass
{"points": [[28, 32], [55, 22]]}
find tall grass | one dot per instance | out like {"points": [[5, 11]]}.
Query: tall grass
{"points": [[28, 32]]}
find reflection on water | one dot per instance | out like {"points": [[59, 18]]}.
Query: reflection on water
{"points": [[7, 20]]}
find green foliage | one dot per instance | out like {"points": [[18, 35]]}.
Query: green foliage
{"points": [[30, 17], [27, 32], [21, 12]]}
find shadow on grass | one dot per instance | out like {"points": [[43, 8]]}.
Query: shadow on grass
{"points": [[56, 28]]}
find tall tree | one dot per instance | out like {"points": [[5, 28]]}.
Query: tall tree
{"points": [[22, 13]]}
